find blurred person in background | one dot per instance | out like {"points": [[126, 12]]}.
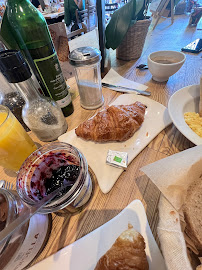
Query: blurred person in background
{"points": [[70, 7]]}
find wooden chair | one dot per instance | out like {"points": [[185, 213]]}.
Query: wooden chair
{"points": [[76, 33], [87, 17], [82, 18]]}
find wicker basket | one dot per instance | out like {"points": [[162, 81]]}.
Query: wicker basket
{"points": [[132, 45]]}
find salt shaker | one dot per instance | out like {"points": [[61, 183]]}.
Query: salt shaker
{"points": [[86, 61]]}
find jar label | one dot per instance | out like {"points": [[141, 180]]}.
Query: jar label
{"points": [[51, 74], [36, 234]]}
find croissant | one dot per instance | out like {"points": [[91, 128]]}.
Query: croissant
{"points": [[115, 123], [127, 253]]}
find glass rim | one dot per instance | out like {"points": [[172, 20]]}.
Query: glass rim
{"points": [[8, 114]]}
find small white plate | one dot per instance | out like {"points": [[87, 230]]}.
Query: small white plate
{"points": [[156, 119], [185, 100], [85, 253]]}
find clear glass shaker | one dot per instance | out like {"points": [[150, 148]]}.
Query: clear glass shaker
{"points": [[41, 114], [11, 98], [86, 61]]}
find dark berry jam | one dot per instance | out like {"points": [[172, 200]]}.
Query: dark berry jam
{"points": [[54, 171], [65, 175]]}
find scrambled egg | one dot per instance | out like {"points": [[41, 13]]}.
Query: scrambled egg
{"points": [[194, 121]]}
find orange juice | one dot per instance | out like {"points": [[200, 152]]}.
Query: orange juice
{"points": [[15, 143]]}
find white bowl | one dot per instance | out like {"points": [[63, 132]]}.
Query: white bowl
{"points": [[185, 100], [163, 64]]}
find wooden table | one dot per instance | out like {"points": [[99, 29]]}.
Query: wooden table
{"points": [[132, 184]]}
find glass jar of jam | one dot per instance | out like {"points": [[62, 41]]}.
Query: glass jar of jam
{"points": [[19, 250], [49, 168]]}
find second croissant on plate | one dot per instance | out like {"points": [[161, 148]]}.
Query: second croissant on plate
{"points": [[127, 253], [114, 123]]}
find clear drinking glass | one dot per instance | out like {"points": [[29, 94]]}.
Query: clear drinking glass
{"points": [[15, 143]]}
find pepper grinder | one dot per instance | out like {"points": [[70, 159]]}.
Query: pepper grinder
{"points": [[41, 114], [11, 98]]}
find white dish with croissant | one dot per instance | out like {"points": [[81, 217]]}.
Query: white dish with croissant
{"points": [[85, 253], [155, 120]]}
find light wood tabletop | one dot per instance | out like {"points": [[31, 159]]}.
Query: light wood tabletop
{"points": [[132, 184]]}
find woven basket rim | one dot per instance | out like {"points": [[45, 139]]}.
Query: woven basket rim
{"points": [[145, 21], [132, 44]]}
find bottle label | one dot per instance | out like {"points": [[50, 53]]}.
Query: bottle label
{"points": [[52, 77], [65, 101]]}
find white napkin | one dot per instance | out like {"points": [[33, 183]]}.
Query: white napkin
{"points": [[171, 237], [114, 78]]}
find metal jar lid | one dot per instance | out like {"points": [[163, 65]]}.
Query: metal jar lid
{"points": [[84, 56]]}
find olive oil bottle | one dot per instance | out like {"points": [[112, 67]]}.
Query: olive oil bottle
{"points": [[24, 27]]}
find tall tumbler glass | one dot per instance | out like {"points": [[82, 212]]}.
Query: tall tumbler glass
{"points": [[15, 143]]}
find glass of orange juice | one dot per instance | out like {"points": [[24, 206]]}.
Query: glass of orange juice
{"points": [[15, 143]]}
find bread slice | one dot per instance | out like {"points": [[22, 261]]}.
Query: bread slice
{"points": [[127, 253], [193, 213]]}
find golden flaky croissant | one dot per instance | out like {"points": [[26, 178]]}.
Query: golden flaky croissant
{"points": [[115, 123], [127, 253]]}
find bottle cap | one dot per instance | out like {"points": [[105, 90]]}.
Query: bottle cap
{"points": [[13, 66], [84, 56]]}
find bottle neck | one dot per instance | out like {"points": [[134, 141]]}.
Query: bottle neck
{"points": [[28, 90]]}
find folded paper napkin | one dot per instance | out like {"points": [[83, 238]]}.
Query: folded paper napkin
{"points": [[171, 237], [114, 78], [173, 175]]}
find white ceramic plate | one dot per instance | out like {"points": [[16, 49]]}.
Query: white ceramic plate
{"points": [[156, 119], [185, 100], [84, 253]]}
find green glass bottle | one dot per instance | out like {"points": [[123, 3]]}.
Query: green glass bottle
{"points": [[27, 26]]}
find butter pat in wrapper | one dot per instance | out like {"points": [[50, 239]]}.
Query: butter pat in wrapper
{"points": [[117, 159]]}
